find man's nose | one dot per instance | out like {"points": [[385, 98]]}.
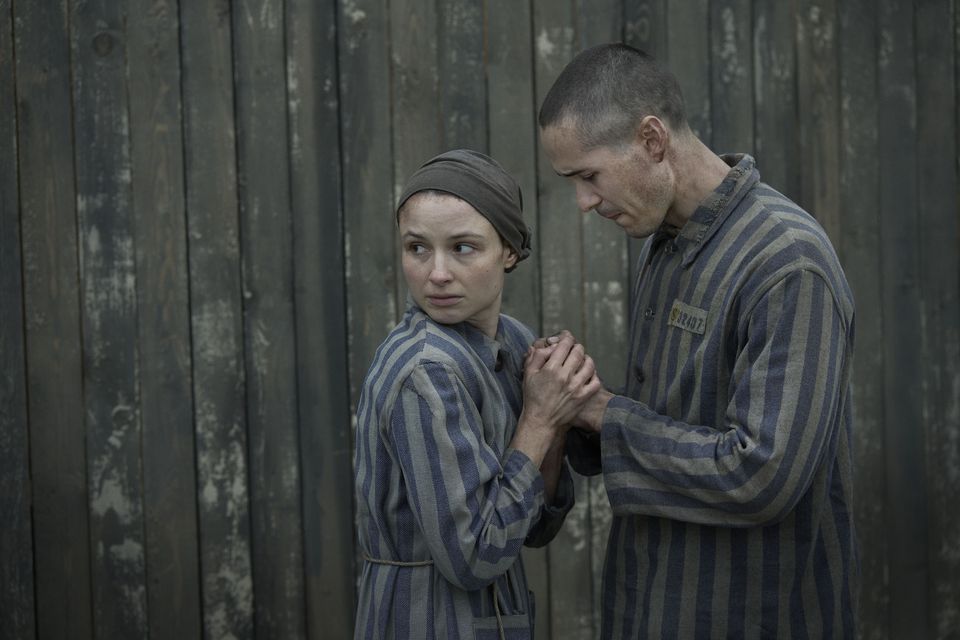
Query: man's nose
{"points": [[587, 199]]}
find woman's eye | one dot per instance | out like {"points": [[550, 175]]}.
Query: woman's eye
{"points": [[416, 249], [463, 249]]}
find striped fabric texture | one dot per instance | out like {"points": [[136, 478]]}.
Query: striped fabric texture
{"points": [[727, 463], [438, 485]]}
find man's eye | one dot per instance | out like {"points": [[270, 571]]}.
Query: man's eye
{"points": [[588, 177]]}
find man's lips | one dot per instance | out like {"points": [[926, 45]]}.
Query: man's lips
{"points": [[444, 300], [609, 215]]}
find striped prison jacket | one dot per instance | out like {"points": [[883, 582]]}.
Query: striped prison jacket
{"points": [[444, 505], [728, 460]]}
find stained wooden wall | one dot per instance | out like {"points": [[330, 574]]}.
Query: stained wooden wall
{"points": [[197, 263]]}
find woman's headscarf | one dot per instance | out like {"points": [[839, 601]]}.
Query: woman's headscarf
{"points": [[480, 181]]}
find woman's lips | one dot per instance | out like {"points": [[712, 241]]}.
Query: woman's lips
{"points": [[444, 301]]}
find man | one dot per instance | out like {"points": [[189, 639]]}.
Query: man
{"points": [[727, 459]]}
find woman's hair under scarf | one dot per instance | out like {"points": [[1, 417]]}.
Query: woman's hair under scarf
{"points": [[481, 182]]}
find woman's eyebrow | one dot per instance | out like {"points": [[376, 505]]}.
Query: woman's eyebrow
{"points": [[463, 235]]}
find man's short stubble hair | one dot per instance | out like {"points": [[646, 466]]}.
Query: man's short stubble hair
{"points": [[607, 90]]}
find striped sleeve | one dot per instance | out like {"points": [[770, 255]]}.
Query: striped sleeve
{"points": [[553, 515], [474, 507], [780, 419]]}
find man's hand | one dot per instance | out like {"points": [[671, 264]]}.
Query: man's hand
{"points": [[590, 416], [558, 380], [591, 413]]}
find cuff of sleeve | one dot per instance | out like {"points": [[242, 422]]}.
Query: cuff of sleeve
{"points": [[563, 499], [518, 466]]}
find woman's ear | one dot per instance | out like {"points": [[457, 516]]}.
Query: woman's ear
{"points": [[511, 260]]}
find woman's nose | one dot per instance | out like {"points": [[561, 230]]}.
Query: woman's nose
{"points": [[439, 273]]}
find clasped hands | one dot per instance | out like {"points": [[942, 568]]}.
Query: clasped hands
{"points": [[561, 387]]}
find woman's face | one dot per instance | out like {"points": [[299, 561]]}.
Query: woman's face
{"points": [[453, 260]]}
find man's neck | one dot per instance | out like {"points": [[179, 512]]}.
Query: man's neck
{"points": [[699, 171]]}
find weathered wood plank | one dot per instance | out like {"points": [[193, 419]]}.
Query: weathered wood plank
{"points": [[939, 236], [688, 50], [513, 143], [109, 319], [605, 297], [776, 134], [52, 319], [463, 100], [907, 514], [645, 27], [322, 383], [561, 238], [266, 245], [416, 121], [216, 320], [859, 186], [16, 536], [818, 107], [159, 217], [368, 184], [731, 70]]}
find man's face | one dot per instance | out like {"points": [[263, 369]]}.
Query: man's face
{"points": [[624, 183]]}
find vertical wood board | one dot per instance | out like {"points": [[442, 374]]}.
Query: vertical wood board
{"points": [[321, 332], [159, 222], [776, 137], [460, 66], [731, 82], [903, 400], [112, 419], [860, 201], [219, 385], [819, 111], [266, 247], [513, 138], [368, 201], [939, 242], [688, 52], [52, 321], [16, 537]]}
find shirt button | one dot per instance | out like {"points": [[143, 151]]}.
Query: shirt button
{"points": [[638, 373], [648, 312]]}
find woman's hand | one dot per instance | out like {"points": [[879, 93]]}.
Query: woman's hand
{"points": [[559, 378]]}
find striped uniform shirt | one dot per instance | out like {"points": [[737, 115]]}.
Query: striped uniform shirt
{"points": [[727, 463], [438, 486]]}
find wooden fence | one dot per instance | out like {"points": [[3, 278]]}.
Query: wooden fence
{"points": [[197, 262]]}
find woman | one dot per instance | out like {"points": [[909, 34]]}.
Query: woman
{"points": [[452, 477]]}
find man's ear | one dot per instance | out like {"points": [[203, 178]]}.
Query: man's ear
{"points": [[653, 135]]}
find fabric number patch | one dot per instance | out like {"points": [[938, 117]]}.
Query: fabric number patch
{"points": [[688, 318]]}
